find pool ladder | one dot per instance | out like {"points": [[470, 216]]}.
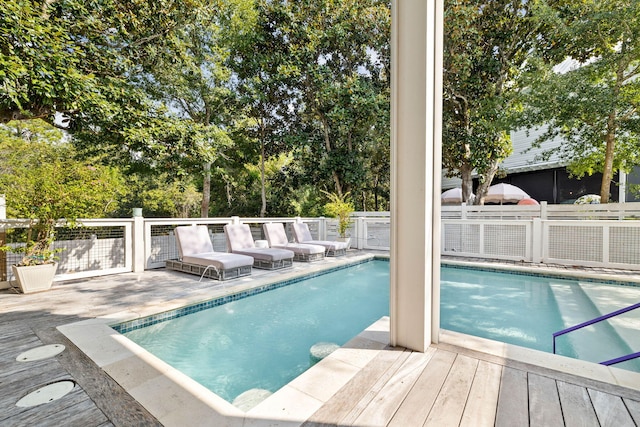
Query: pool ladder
{"points": [[596, 320]]}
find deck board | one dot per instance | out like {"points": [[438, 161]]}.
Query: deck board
{"points": [[342, 403], [382, 408], [374, 392], [481, 405], [416, 407], [449, 406], [611, 410], [544, 402], [576, 406], [513, 399], [633, 407]]}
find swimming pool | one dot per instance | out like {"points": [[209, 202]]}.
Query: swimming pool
{"points": [[263, 341], [518, 309]]}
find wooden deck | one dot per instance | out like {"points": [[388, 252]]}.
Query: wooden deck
{"points": [[446, 386], [456, 387]]}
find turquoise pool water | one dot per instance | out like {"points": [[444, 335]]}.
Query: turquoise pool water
{"points": [[263, 341]]}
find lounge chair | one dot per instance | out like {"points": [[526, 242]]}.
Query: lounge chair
{"points": [[277, 238], [303, 235], [240, 241], [198, 257]]}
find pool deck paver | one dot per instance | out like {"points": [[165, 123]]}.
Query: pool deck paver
{"points": [[462, 380]]}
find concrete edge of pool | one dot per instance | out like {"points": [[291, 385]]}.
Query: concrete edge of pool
{"points": [[175, 399]]}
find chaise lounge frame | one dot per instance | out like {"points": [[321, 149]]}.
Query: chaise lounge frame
{"points": [[201, 234], [302, 234], [247, 247], [277, 238]]}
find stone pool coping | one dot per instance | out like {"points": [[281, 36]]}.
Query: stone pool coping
{"points": [[175, 399]]}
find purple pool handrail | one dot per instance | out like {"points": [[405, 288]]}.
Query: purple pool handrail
{"points": [[596, 320]]}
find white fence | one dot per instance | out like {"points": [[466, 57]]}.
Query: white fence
{"points": [[586, 235], [109, 246], [594, 243], [612, 211]]}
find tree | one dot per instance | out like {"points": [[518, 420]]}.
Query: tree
{"points": [[191, 76], [263, 62], [72, 57], [44, 182], [487, 42], [594, 106], [342, 59]]}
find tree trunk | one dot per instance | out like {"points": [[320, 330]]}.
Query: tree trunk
{"points": [[607, 171], [206, 190], [263, 191], [481, 191], [327, 145], [467, 184]]}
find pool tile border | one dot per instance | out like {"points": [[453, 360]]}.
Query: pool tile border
{"points": [[531, 271]]}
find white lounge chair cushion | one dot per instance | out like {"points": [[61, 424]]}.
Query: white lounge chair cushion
{"points": [[220, 260], [301, 232], [277, 238], [266, 254], [303, 235], [239, 237], [195, 247], [193, 239], [240, 241]]}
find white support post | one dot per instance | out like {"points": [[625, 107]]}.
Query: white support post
{"points": [[361, 237], [543, 210], [416, 129], [536, 237], [322, 228], [139, 248], [622, 187], [235, 220]]}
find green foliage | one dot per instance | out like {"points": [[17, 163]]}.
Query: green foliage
{"points": [[593, 107], [486, 45], [44, 182], [77, 57], [339, 207], [314, 79]]}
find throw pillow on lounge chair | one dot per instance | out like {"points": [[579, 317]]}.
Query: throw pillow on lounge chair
{"points": [[277, 238], [240, 241], [198, 257], [303, 235]]}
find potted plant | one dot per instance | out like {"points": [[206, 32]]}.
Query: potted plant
{"points": [[339, 207], [45, 184]]}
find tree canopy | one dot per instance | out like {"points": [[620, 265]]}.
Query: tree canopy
{"points": [[592, 100]]}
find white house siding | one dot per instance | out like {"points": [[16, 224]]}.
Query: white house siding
{"points": [[523, 159]]}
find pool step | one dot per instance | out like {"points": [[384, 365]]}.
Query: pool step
{"points": [[595, 343], [610, 298]]}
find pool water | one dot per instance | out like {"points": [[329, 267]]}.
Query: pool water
{"points": [[263, 341]]}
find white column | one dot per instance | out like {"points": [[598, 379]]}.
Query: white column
{"points": [[140, 245], [416, 128], [622, 187]]}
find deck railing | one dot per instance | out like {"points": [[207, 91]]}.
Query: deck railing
{"points": [[520, 233], [597, 320], [109, 246]]}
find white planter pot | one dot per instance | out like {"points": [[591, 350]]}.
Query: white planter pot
{"points": [[34, 278]]}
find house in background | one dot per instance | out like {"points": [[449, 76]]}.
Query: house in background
{"points": [[548, 180]]}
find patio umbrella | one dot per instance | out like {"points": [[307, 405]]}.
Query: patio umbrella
{"points": [[505, 193], [453, 195], [532, 202]]}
